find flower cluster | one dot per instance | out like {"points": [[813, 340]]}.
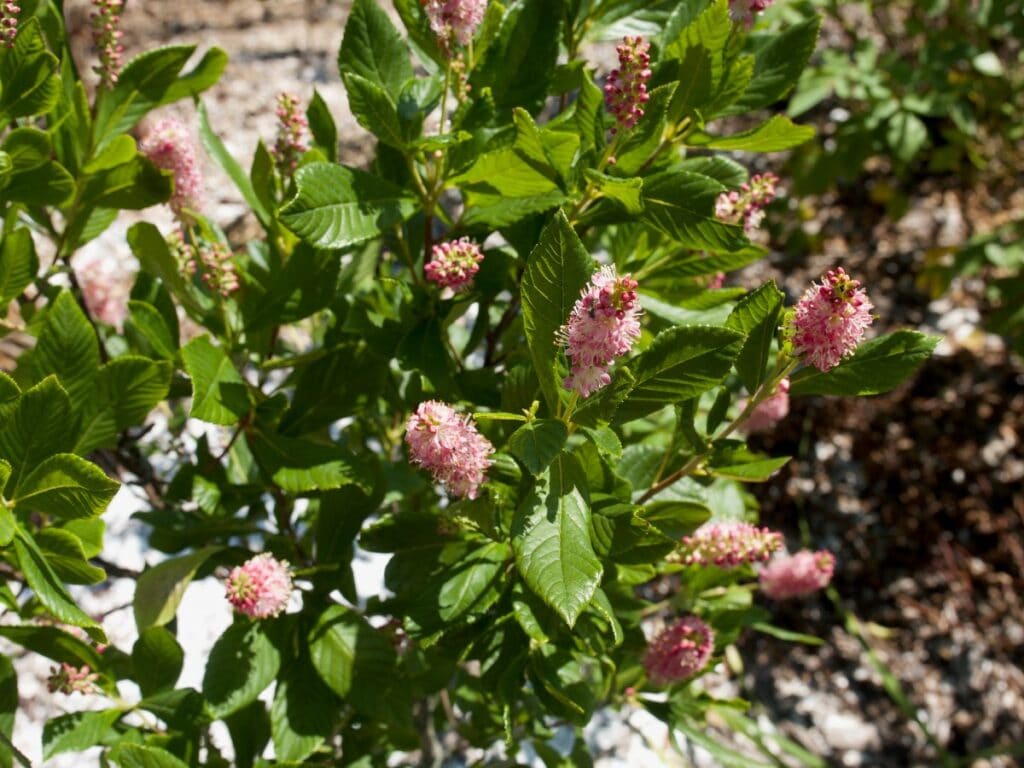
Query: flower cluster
{"points": [[746, 10], [292, 128], [728, 545], [70, 679], [769, 411], [260, 587], [603, 326], [625, 92], [219, 272], [455, 20], [106, 36], [169, 147], [184, 252], [679, 651], [449, 447], [797, 575], [9, 11], [454, 263], [747, 203], [829, 321], [106, 284]]}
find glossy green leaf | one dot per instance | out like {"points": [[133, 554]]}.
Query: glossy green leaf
{"points": [[77, 731], [219, 394], [66, 556], [778, 65], [38, 425], [877, 366], [128, 755], [551, 541], [756, 316], [373, 49], [537, 443], [157, 659], [18, 264], [774, 135], [68, 487], [302, 714], [242, 663], [159, 589], [732, 459], [68, 347], [682, 205]]}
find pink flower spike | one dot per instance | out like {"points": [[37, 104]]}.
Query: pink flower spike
{"points": [[679, 652], [728, 545], [604, 324], [454, 264], [746, 205], [769, 411], [292, 128], [260, 588], [169, 147], [797, 575], [625, 91], [449, 447], [9, 11], [69, 679], [106, 36], [454, 20], [829, 321]]}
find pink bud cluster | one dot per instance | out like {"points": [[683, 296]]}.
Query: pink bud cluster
{"points": [[728, 545], [747, 203], [218, 264], [9, 11], [625, 91], [260, 587], [292, 129], [106, 36], [829, 321], [169, 147], [769, 411], [604, 324], [454, 264], [71, 679], [449, 447], [679, 651], [184, 252], [455, 20], [106, 283], [797, 575], [746, 10]]}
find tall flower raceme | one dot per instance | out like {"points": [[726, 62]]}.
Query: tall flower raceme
{"points": [[218, 267], [625, 91], [746, 204], [829, 321], [797, 575], [679, 651], [106, 36], [454, 264], [106, 284], [169, 146], [604, 324], [449, 447], [69, 679], [260, 587], [292, 134], [9, 11], [746, 10], [728, 545], [455, 20], [769, 411]]}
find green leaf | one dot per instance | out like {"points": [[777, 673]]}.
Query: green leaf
{"points": [[778, 65], [127, 755], [374, 50], [242, 663], [877, 366], [537, 443], [53, 643], [775, 135], [150, 248], [906, 135], [303, 713], [128, 388], [49, 589], [756, 316], [681, 363], [157, 660], [77, 731], [216, 149], [37, 426], [710, 30], [557, 270], [6, 519], [219, 394], [146, 320], [65, 554], [336, 207], [28, 73], [374, 110], [355, 660], [9, 704], [551, 541], [626, 192], [682, 205], [732, 459], [159, 589], [301, 466], [49, 184], [68, 348], [133, 185], [18, 264], [322, 126]]}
